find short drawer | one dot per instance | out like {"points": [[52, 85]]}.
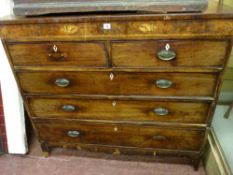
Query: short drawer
{"points": [[118, 83], [120, 135], [80, 54], [118, 110], [169, 53]]}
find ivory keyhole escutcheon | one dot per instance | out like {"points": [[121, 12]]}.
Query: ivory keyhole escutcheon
{"points": [[111, 76], [167, 47], [107, 26], [114, 103], [55, 48]]}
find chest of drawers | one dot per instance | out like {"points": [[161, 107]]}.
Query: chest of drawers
{"points": [[121, 83]]}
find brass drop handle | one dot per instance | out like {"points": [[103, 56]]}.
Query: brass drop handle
{"points": [[163, 83], [161, 111], [159, 138], [166, 54], [73, 133], [55, 55], [62, 82], [68, 108]]}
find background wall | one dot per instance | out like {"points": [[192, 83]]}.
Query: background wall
{"points": [[226, 95], [227, 89], [5, 7]]}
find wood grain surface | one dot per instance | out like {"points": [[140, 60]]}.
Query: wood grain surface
{"points": [[145, 27], [135, 83], [188, 53], [121, 135], [118, 110], [80, 54]]}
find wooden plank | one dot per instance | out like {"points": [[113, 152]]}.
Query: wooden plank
{"points": [[115, 110], [121, 135], [182, 84], [214, 11], [38, 7]]}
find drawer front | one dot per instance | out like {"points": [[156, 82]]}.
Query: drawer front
{"points": [[118, 83], [120, 135], [80, 54], [169, 53], [119, 110]]}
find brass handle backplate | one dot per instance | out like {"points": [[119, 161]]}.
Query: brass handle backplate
{"points": [[161, 111], [68, 108], [73, 134], [166, 54], [62, 82], [163, 83], [56, 56]]}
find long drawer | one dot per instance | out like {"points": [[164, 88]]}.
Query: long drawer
{"points": [[79, 54], [118, 83], [118, 110], [120, 135], [169, 53]]}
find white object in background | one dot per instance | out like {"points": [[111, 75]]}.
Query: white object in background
{"points": [[6, 7], [223, 129], [12, 101]]}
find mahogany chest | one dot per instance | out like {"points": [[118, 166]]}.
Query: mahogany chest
{"points": [[121, 83]]}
